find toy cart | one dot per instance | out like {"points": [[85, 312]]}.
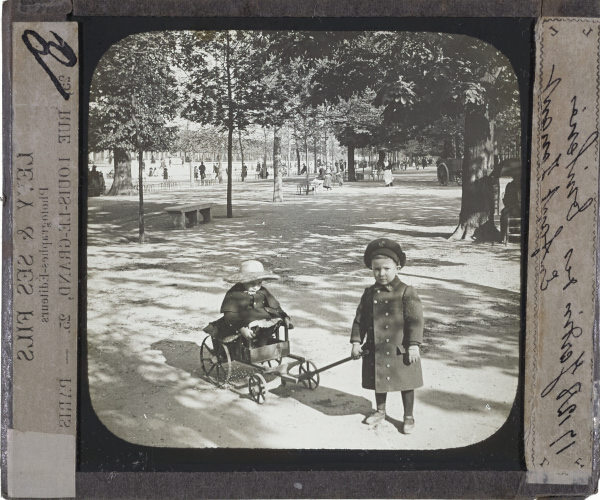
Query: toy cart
{"points": [[216, 357], [449, 170]]}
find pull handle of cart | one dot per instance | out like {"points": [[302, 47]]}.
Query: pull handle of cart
{"points": [[306, 375]]}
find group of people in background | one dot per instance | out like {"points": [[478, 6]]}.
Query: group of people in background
{"points": [[152, 172], [331, 175], [96, 184]]}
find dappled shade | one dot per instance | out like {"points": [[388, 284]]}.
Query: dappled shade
{"points": [[147, 305]]}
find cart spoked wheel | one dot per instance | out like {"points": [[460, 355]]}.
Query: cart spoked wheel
{"points": [[269, 361], [311, 382], [442, 174], [216, 361], [257, 387]]}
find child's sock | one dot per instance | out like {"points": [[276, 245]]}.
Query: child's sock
{"points": [[408, 400], [380, 399]]}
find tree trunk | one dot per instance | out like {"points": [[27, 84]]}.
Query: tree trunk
{"points": [[277, 178], [476, 220], [457, 146], [263, 174], [306, 151], [229, 138], [315, 151], [241, 148], [229, 173], [122, 183], [142, 234], [381, 159], [325, 147], [351, 167], [298, 159]]}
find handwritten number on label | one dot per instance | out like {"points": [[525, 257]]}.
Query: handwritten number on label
{"points": [[68, 58], [26, 233]]}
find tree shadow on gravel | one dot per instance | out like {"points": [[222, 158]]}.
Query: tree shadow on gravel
{"points": [[180, 354], [132, 395], [455, 402], [163, 292], [330, 402], [185, 356]]}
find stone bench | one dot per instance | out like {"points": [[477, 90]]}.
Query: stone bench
{"points": [[180, 213]]}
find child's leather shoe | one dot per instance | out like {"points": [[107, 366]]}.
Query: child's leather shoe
{"points": [[409, 425], [375, 418]]}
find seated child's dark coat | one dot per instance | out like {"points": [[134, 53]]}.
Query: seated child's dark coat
{"points": [[240, 308]]}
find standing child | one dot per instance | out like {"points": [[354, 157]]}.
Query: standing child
{"points": [[389, 325]]}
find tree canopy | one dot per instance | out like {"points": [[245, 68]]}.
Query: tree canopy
{"points": [[133, 81], [388, 90]]}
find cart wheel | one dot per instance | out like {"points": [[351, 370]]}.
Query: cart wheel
{"points": [[216, 362], [442, 174], [311, 382], [257, 387]]}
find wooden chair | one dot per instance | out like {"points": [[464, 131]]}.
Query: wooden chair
{"points": [[513, 228]]}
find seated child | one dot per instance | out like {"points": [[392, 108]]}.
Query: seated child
{"points": [[249, 308]]}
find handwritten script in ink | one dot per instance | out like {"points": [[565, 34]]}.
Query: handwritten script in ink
{"points": [[565, 156]]}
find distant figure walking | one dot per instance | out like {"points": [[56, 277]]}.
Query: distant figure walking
{"points": [[202, 172], [388, 177], [327, 179]]}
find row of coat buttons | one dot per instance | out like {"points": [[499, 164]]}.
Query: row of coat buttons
{"points": [[387, 352], [386, 327], [387, 340]]}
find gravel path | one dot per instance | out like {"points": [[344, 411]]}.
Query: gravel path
{"points": [[147, 305]]}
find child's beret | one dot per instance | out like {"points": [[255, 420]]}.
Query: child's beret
{"points": [[387, 247]]}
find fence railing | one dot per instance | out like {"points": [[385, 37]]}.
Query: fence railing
{"points": [[148, 188]]}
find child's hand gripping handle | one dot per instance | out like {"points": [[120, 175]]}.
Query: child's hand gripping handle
{"points": [[357, 351], [247, 332]]}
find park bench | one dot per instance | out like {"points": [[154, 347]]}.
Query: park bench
{"points": [[316, 186], [180, 213]]}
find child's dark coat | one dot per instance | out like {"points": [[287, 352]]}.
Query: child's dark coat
{"points": [[241, 308], [388, 320]]}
